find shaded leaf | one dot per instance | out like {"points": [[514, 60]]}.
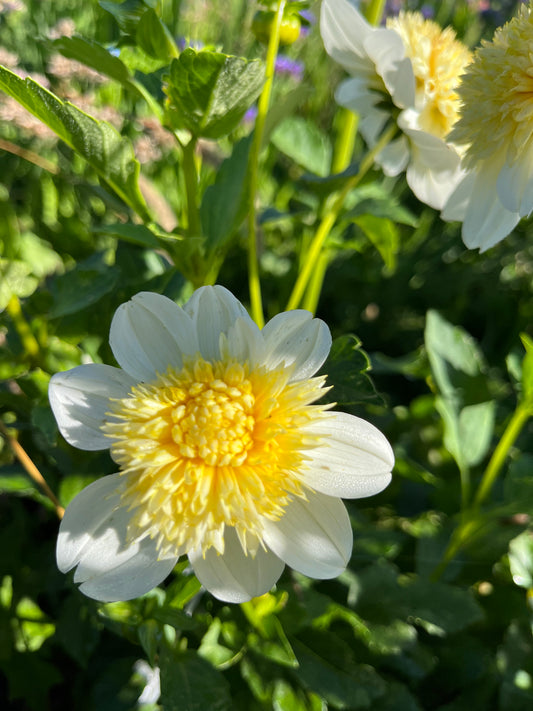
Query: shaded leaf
{"points": [[209, 92], [189, 683], [303, 142], [98, 142]]}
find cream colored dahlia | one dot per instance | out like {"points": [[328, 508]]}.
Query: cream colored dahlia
{"points": [[496, 129], [223, 454], [407, 73]]}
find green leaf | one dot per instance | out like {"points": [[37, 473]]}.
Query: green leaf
{"points": [[518, 484], [346, 368], [328, 668], [97, 142], [224, 203], [93, 55], [189, 683], [456, 361], [384, 235], [209, 92], [15, 280], [154, 37], [304, 143], [464, 400], [130, 232], [128, 13], [81, 287], [521, 559]]}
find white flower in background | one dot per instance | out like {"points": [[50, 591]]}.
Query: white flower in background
{"points": [[496, 127], [409, 73], [223, 456]]}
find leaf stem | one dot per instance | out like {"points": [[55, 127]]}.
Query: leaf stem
{"points": [[31, 469], [330, 217], [256, 303]]}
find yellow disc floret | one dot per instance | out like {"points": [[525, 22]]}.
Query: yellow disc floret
{"points": [[438, 60], [497, 95], [212, 445]]}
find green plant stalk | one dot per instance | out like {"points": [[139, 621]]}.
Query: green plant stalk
{"points": [[312, 294], [329, 219], [190, 174], [256, 302], [469, 524], [520, 416], [344, 145], [374, 11]]}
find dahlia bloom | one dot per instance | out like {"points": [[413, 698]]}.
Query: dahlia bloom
{"points": [[496, 129], [407, 72], [223, 454]]}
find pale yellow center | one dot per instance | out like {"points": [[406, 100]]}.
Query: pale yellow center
{"points": [[497, 96], [438, 61], [212, 445]]}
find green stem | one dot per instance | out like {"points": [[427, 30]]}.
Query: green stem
{"points": [[330, 218], [312, 294], [374, 11], [191, 188], [344, 144], [513, 429], [470, 522], [256, 303]]}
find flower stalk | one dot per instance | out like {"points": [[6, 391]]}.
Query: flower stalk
{"points": [[256, 303], [330, 217]]}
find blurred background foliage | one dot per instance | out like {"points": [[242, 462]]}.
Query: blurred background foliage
{"points": [[394, 632]]}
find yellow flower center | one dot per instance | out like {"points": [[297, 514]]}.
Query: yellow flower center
{"points": [[212, 445], [497, 95], [438, 60]]}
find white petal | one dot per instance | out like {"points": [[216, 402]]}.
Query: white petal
{"points": [[80, 399], [343, 31], [149, 334], [354, 94], [112, 570], [234, 576], [486, 222], [296, 339], [244, 342], [387, 51], [214, 310], [354, 460], [83, 516], [314, 537], [394, 157], [515, 187], [92, 536], [457, 203]]}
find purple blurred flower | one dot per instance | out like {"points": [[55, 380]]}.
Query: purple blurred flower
{"points": [[290, 67], [250, 115]]}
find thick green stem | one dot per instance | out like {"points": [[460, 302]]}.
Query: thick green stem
{"points": [[330, 218], [342, 156], [256, 302], [191, 188], [374, 11], [513, 429]]}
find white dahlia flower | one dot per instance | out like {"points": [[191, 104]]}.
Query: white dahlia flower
{"points": [[407, 73], [496, 128], [223, 456]]}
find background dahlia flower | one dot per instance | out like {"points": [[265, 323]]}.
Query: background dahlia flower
{"points": [[222, 454], [408, 73], [496, 129]]}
